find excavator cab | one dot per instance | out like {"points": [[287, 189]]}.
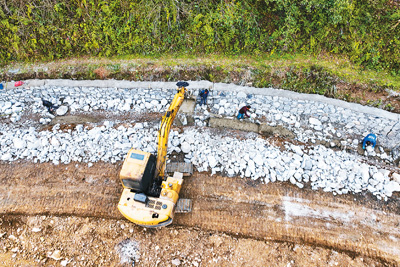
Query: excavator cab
{"points": [[137, 172]]}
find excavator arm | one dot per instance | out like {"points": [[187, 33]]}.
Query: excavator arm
{"points": [[165, 128]]}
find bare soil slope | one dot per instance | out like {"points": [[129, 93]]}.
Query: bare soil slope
{"points": [[235, 222]]}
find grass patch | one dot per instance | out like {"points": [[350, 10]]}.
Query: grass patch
{"points": [[323, 74], [337, 68]]}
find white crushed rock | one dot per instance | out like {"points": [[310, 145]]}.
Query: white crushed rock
{"points": [[61, 111], [332, 171]]}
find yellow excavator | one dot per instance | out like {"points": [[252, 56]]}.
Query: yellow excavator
{"points": [[150, 198]]}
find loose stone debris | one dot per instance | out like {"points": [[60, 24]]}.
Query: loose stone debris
{"points": [[332, 170]]}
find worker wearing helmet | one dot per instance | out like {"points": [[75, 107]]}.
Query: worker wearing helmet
{"points": [[243, 111], [369, 140]]}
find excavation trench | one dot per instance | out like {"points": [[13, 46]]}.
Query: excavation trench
{"points": [[276, 212]]}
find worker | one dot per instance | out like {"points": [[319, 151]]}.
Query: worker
{"points": [[203, 94], [369, 140], [243, 111], [50, 107]]}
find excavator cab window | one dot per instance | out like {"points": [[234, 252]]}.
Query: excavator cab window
{"points": [[131, 183], [137, 156]]}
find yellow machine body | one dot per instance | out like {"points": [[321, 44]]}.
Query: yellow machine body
{"points": [[138, 203], [134, 166], [152, 212]]}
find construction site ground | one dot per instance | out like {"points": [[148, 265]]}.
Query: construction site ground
{"points": [[57, 215], [66, 215]]}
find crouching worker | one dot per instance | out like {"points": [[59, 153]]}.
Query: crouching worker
{"points": [[369, 140], [50, 107], [243, 111]]}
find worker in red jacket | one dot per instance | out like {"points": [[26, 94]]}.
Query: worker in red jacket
{"points": [[243, 111]]}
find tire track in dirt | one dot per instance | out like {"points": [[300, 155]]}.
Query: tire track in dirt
{"points": [[282, 212], [65, 200], [276, 212]]}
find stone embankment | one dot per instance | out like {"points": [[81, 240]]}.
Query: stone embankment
{"points": [[308, 120]]}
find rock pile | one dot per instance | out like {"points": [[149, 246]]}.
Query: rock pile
{"points": [[85, 99], [82, 145], [333, 171], [309, 120]]}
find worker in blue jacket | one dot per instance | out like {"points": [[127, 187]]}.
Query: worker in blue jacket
{"points": [[203, 94], [369, 140]]}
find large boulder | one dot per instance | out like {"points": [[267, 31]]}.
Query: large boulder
{"points": [[396, 154], [61, 111], [185, 146], [396, 177]]}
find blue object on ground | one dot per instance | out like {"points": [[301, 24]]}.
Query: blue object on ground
{"points": [[371, 138]]}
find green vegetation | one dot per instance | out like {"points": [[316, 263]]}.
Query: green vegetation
{"points": [[367, 32], [302, 73], [346, 49]]}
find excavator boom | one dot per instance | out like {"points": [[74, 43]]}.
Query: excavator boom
{"points": [[165, 128]]}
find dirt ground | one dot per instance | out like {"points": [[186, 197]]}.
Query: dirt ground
{"points": [[77, 241], [66, 216]]}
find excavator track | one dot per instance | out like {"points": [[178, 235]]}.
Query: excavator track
{"points": [[184, 205], [183, 167], [357, 225]]}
